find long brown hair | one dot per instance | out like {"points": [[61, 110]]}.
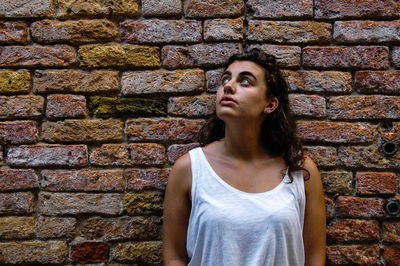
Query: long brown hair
{"points": [[278, 130]]}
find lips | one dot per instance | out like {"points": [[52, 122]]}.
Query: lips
{"points": [[227, 100]]}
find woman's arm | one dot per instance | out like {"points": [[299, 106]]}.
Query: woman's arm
{"points": [[176, 213], [314, 231]]}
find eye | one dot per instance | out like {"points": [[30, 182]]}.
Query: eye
{"points": [[224, 80], [245, 82]]}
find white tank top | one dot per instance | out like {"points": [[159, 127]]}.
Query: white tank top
{"points": [[231, 227]]}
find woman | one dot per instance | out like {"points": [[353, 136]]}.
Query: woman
{"points": [[248, 196]]}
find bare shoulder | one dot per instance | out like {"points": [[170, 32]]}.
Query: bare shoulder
{"points": [[181, 174], [314, 182]]}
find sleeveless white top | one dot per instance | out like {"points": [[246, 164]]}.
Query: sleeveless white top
{"points": [[231, 227]]}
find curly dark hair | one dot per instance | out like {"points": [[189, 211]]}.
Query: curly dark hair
{"points": [[278, 130]]}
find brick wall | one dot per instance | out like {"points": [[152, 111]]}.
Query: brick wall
{"points": [[100, 97]]}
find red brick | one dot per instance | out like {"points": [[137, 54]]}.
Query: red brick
{"points": [[83, 180], [192, 106], [18, 132], [17, 227], [387, 82], [23, 106], [13, 32], [286, 56], [89, 252], [147, 153], [17, 203], [37, 56], [321, 155], [55, 227], [307, 105], [142, 253], [161, 7], [368, 183], [288, 32], [174, 129], [1, 155], [353, 230], [198, 55], [355, 57], [223, 30], [11, 179], [213, 79], [161, 31], [65, 106], [216, 8], [344, 9], [364, 107], [339, 183], [391, 133], [48, 155], [396, 57], [137, 228], [391, 255], [319, 81], [142, 179], [110, 154], [353, 207], [335, 132], [391, 232], [26, 9], [177, 150], [353, 255], [330, 208], [281, 9]]}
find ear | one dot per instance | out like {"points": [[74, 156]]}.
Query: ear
{"points": [[272, 104]]}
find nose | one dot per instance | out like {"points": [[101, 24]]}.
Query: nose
{"points": [[229, 87]]}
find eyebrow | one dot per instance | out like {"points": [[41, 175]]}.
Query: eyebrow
{"points": [[243, 73]]}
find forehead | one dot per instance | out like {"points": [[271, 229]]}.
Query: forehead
{"points": [[248, 66]]}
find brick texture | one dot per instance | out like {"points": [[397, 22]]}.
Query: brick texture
{"points": [[216, 8], [281, 8], [13, 32], [12, 179], [21, 106], [18, 132]]}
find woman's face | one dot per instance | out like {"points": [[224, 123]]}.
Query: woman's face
{"points": [[242, 93]]}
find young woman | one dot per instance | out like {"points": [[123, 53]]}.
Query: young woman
{"points": [[248, 195]]}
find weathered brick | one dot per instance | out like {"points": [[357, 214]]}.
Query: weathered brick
{"points": [[391, 255], [355, 57], [161, 7], [89, 252], [366, 31], [321, 155], [26, 9], [192, 106], [143, 203], [289, 31], [79, 203], [74, 31], [65, 106], [17, 203], [21, 106], [17, 227], [94, 55], [307, 105], [387, 82], [75, 81], [318, 82], [215, 8], [37, 252], [141, 179], [160, 81], [337, 182], [364, 107], [286, 56], [335, 132], [281, 8], [15, 81], [143, 253], [353, 230], [177, 150], [48, 155], [223, 30], [213, 79], [84, 180], [391, 232], [37, 56], [11, 179], [110, 154], [198, 55], [147, 153], [83, 130], [174, 129], [344, 9], [353, 207], [366, 157], [95, 8], [391, 133], [375, 183], [161, 31], [330, 208], [396, 57], [353, 255], [138, 228], [1, 155], [13, 32], [55, 227], [18, 132]]}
